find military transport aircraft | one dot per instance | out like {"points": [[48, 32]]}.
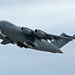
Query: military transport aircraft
{"points": [[34, 39]]}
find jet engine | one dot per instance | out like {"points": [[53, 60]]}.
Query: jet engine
{"points": [[26, 30], [41, 34]]}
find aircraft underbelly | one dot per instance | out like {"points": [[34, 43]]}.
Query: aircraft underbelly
{"points": [[46, 46]]}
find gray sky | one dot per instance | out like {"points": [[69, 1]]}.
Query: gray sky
{"points": [[51, 16]]}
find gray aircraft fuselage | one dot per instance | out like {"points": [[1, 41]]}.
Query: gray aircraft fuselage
{"points": [[15, 34]]}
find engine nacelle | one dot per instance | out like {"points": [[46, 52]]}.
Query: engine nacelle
{"points": [[26, 30], [40, 34]]}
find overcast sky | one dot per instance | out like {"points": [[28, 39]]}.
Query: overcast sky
{"points": [[54, 17]]}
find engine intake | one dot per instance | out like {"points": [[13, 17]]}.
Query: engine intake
{"points": [[26, 30], [41, 34]]}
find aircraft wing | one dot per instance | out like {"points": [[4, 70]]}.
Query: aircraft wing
{"points": [[61, 40], [51, 37], [55, 37]]}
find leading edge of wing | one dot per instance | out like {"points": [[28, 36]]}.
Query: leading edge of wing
{"points": [[55, 37]]}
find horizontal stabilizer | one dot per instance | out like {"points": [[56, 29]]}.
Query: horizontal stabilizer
{"points": [[5, 41]]}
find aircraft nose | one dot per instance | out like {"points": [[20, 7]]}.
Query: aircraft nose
{"points": [[56, 49], [52, 48], [47, 46], [59, 51]]}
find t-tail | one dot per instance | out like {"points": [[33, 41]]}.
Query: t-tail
{"points": [[61, 42]]}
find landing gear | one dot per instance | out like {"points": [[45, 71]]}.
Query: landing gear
{"points": [[21, 45]]}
